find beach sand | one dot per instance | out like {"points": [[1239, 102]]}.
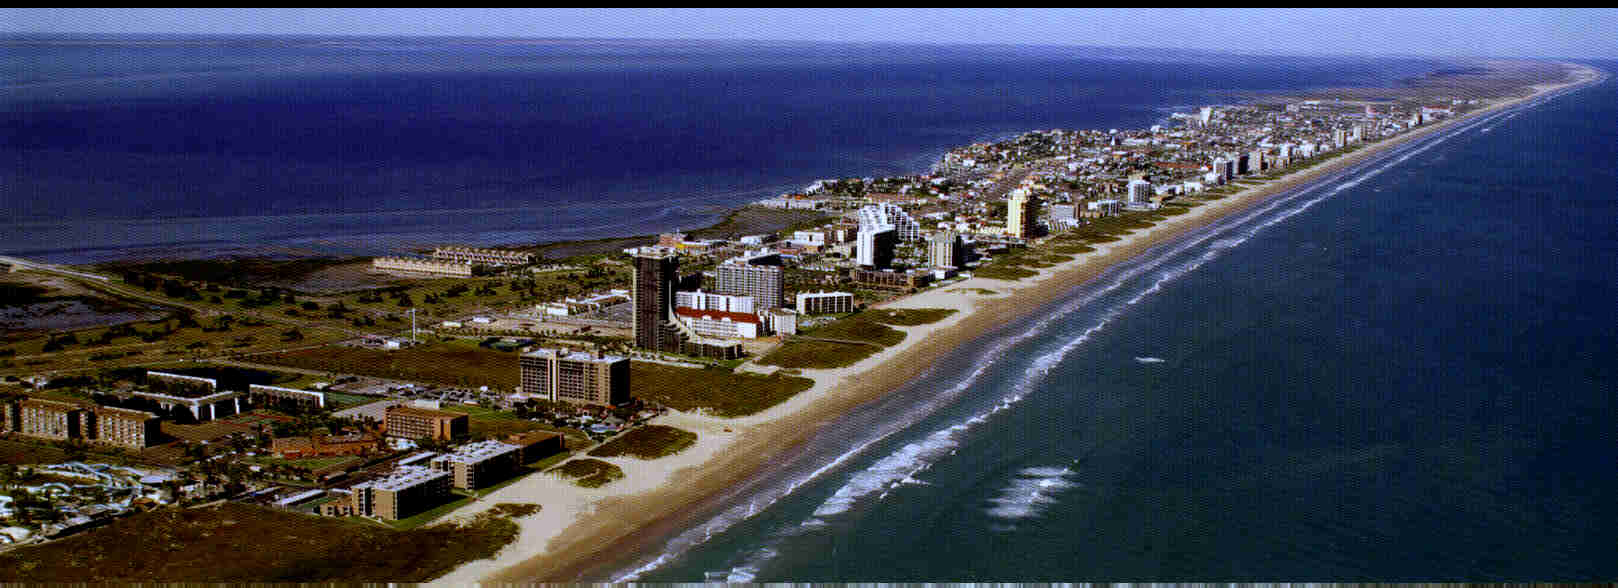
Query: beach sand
{"points": [[580, 528]]}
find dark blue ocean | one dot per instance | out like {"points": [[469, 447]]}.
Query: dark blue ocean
{"points": [[202, 146], [1404, 372]]}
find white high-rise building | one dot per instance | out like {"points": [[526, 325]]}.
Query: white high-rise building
{"points": [[944, 250], [875, 246], [1140, 191], [890, 215]]}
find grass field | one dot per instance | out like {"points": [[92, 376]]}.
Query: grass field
{"points": [[488, 422], [722, 392], [450, 363], [648, 442], [241, 543]]}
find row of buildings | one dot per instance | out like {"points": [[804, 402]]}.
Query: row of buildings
{"points": [[410, 489], [59, 420], [453, 261]]}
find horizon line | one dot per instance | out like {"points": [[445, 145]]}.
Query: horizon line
{"points": [[982, 44]]}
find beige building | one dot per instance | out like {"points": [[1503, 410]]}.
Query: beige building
{"points": [[62, 421], [425, 266], [577, 377], [421, 423], [944, 250], [51, 419], [130, 429], [1020, 211]]}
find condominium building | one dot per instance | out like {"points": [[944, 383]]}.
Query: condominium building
{"points": [[407, 491], [944, 250], [655, 326], [51, 419], [130, 429], [480, 464], [275, 395], [700, 300], [577, 377], [458, 269], [720, 324], [421, 423], [890, 279], [889, 215], [758, 275], [875, 246], [655, 269], [536, 444], [482, 256], [825, 303], [1140, 192], [1020, 212]]}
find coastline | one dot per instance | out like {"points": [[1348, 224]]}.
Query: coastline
{"points": [[580, 530]]}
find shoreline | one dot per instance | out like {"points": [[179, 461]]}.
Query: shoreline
{"points": [[582, 531]]}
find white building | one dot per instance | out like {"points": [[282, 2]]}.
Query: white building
{"points": [[1140, 191], [700, 300], [890, 215], [810, 303], [875, 246]]}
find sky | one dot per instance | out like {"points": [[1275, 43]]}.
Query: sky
{"points": [[1427, 32]]}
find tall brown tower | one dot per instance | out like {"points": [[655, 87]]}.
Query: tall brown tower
{"points": [[655, 272]]}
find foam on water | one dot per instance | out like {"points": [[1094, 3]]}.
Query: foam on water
{"points": [[1028, 493]]}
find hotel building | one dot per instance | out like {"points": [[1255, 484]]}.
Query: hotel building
{"points": [[421, 423], [825, 303], [577, 377], [656, 328], [758, 275]]}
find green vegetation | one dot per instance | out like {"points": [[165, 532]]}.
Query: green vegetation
{"points": [[858, 327], [721, 392], [804, 353], [488, 423], [1003, 273], [514, 510], [590, 473], [908, 317], [648, 442], [978, 291], [235, 542], [857, 336], [450, 363]]}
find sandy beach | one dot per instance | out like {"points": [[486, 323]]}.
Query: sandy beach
{"points": [[580, 528]]}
